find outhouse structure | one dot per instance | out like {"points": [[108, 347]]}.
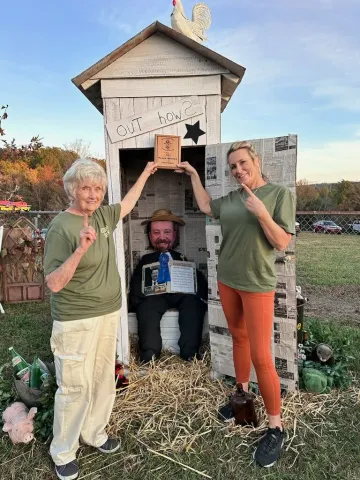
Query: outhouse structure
{"points": [[162, 82]]}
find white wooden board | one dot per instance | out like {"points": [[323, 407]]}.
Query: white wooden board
{"points": [[159, 87], [160, 56], [156, 119], [112, 112]]}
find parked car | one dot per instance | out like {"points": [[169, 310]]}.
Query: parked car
{"points": [[297, 228], [353, 227], [326, 226]]}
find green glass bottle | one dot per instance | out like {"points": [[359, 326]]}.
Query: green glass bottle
{"points": [[20, 366], [35, 374]]}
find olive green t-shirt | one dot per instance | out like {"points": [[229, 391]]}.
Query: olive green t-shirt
{"points": [[94, 290], [246, 258]]}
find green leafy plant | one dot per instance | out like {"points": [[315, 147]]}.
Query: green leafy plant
{"points": [[43, 422], [339, 369], [7, 389], [45, 416]]}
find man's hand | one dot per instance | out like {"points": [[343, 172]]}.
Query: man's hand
{"points": [[254, 204], [87, 236]]}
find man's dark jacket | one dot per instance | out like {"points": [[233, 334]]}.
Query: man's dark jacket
{"points": [[136, 296]]}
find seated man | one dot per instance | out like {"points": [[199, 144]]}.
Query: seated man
{"points": [[163, 232]]}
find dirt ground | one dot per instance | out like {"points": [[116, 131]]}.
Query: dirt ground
{"points": [[340, 302]]}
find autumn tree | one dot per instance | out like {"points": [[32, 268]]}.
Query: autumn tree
{"points": [[306, 195]]}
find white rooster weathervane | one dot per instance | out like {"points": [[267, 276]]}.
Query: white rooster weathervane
{"points": [[195, 28]]}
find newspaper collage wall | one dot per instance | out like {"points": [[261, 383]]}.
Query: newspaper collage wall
{"points": [[171, 191], [279, 165]]}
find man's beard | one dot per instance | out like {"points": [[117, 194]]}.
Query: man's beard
{"points": [[162, 246]]}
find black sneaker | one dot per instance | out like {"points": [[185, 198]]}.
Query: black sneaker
{"points": [[110, 446], [226, 413], [70, 471], [270, 447]]}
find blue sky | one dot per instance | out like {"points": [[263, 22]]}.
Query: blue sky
{"points": [[302, 60]]}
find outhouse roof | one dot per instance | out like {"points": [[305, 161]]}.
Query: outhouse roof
{"points": [[88, 81]]}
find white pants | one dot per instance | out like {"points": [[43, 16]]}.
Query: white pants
{"points": [[84, 353]]}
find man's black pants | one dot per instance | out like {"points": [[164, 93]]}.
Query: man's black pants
{"points": [[191, 318]]}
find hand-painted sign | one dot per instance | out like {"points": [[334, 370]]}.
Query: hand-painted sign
{"points": [[170, 114]]}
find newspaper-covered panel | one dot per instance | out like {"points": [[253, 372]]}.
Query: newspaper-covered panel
{"points": [[278, 162], [217, 316], [213, 240]]}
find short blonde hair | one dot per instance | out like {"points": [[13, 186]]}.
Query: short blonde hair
{"points": [[81, 170], [249, 147]]}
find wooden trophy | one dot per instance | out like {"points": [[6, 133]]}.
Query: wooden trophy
{"points": [[167, 151]]}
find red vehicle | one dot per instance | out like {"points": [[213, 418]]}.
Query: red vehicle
{"points": [[326, 226]]}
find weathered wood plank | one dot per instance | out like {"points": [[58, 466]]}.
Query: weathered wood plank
{"points": [[229, 83], [213, 118], [159, 87], [127, 110], [89, 83], [141, 107], [160, 56], [172, 129], [111, 113]]}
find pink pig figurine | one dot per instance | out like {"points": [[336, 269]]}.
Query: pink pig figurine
{"points": [[19, 423]]}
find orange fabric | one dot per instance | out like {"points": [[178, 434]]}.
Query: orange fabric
{"points": [[250, 320]]}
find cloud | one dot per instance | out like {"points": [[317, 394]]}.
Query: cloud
{"points": [[331, 162], [320, 56], [340, 96]]}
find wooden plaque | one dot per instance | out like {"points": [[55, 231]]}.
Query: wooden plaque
{"points": [[167, 151]]}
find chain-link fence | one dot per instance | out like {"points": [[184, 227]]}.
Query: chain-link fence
{"points": [[335, 222], [329, 222]]}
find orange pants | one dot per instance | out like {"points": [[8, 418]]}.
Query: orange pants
{"points": [[250, 319]]}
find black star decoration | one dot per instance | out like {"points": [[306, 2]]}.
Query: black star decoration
{"points": [[194, 131]]}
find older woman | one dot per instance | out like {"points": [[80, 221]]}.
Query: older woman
{"points": [[255, 219], [81, 272]]}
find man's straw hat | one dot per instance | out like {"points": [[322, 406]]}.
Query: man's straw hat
{"points": [[163, 215]]}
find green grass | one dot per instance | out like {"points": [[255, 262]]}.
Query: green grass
{"points": [[332, 452], [327, 260], [26, 327]]}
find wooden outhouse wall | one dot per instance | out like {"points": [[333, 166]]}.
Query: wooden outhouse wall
{"points": [[123, 98]]}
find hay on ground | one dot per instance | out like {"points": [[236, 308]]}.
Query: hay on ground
{"points": [[171, 404]]}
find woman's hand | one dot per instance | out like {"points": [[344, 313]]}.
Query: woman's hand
{"points": [[185, 167], [254, 204], [87, 236], [150, 169]]}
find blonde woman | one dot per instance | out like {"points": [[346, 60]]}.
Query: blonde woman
{"points": [[255, 219]]}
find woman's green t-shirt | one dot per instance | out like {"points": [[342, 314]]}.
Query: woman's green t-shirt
{"points": [[94, 290], [246, 258]]}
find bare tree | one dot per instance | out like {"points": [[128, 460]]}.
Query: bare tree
{"points": [[80, 147]]}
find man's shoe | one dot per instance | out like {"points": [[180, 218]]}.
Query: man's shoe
{"points": [[110, 446], [70, 471], [226, 413], [270, 447]]}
